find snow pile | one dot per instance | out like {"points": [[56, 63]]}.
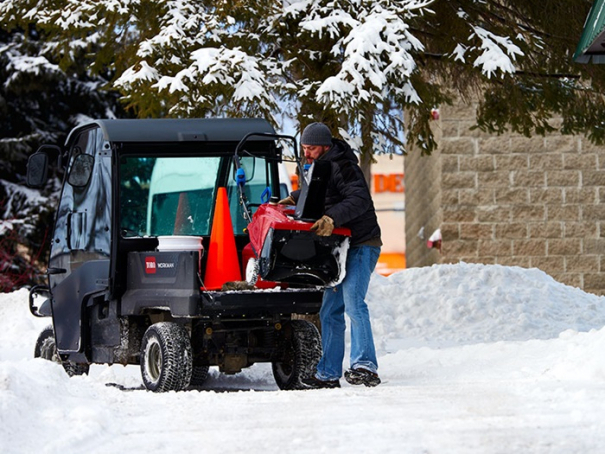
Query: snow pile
{"points": [[467, 303], [472, 358], [18, 328], [36, 393]]}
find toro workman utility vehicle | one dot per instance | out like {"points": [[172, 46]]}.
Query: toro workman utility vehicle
{"points": [[157, 222]]}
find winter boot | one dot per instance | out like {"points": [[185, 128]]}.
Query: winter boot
{"points": [[362, 377], [315, 383]]}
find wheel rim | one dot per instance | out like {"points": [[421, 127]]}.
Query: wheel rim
{"points": [[153, 365], [285, 368]]}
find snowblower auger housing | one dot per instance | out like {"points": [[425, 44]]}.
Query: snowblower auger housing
{"points": [[147, 210], [290, 252]]}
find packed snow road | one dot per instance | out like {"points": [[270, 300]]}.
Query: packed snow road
{"points": [[481, 359]]}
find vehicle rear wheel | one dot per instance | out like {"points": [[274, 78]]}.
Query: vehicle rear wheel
{"points": [[166, 359], [199, 375], [46, 348], [303, 351]]}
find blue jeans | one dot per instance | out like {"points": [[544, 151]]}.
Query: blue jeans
{"points": [[348, 297]]}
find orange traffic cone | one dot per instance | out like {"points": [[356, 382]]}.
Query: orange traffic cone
{"points": [[222, 264]]}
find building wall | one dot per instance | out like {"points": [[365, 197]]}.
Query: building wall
{"points": [[510, 200]]}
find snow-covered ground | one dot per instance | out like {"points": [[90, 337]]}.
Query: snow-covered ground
{"points": [[474, 358]]}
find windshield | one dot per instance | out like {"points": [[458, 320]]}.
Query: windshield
{"points": [[176, 195]]}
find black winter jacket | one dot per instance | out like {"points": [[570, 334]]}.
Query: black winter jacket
{"points": [[348, 199]]}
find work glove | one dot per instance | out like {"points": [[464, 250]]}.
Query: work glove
{"points": [[287, 201], [323, 226]]}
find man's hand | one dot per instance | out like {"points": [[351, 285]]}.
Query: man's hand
{"points": [[287, 201], [323, 226]]}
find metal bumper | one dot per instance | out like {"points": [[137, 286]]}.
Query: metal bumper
{"points": [[245, 303]]}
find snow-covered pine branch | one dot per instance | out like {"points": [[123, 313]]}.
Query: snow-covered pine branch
{"points": [[356, 64]]}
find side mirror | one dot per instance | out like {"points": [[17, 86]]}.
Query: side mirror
{"points": [[37, 170], [37, 165], [81, 170]]}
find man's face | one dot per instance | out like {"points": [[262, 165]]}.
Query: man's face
{"points": [[313, 152]]}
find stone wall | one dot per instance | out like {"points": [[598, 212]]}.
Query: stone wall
{"points": [[510, 200]]}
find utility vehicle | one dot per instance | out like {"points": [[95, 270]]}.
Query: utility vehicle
{"points": [[130, 253]]}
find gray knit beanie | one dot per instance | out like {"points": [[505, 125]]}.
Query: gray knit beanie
{"points": [[316, 134]]}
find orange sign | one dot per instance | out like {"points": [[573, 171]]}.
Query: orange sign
{"points": [[382, 182], [388, 182]]}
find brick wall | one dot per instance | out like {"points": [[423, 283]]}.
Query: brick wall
{"points": [[510, 200]]}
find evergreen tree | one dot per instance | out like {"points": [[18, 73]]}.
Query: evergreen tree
{"points": [[355, 64], [39, 103]]}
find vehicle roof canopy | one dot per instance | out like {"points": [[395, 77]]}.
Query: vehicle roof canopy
{"points": [[177, 130]]}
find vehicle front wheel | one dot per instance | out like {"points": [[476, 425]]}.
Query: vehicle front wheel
{"points": [[166, 359], [46, 348], [302, 353]]}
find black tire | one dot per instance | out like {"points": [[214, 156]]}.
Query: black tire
{"points": [[303, 351], [199, 375], [46, 348], [166, 360]]}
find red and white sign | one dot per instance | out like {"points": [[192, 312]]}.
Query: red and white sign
{"points": [[150, 265]]}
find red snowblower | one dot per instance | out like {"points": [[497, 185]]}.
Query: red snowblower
{"points": [[282, 248]]}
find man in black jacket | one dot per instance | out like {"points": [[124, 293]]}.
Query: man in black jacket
{"points": [[348, 204]]}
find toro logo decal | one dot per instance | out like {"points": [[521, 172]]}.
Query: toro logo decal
{"points": [[150, 265]]}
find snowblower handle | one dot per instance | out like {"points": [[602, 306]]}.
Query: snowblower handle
{"points": [[240, 145], [240, 175]]}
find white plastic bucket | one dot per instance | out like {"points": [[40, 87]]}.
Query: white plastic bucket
{"points": [[180, 243]]}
